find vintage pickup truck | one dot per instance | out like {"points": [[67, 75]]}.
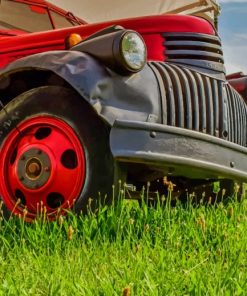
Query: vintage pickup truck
{"points": [[133, 92]]}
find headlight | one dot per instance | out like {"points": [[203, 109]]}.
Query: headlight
{"points": [[123, 51], [133, 51]]}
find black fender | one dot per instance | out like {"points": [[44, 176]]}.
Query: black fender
{"points": [[113, 96]]}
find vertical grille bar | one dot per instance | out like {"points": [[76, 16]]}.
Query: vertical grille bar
{"points": [[171, 111], [236, 111], [202, 102], [230, 115], [186, 96], [178, 95], [159, 75], [244, 110], [216, 107], [223, 124], [209, 106], [241, 124], [194, 99]]}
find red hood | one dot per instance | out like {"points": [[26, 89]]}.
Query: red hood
{"points": [[12, 48]]}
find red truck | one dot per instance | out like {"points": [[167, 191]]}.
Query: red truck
{"points": [[115, 97]]}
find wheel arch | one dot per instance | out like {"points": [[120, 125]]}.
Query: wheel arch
{"points": [[111, 96], [15, 83], [74, 70]]}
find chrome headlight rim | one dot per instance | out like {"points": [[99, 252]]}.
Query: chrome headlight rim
{"points": [[126, 64]]}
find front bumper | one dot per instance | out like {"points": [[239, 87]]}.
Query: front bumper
{"points": [[178, 152]]}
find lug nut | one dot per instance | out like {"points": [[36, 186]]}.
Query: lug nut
{"points": [[34, 168], [46, 169]]}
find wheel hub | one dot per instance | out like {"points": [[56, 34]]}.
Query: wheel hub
{"points": [[33, 168], [41, 164]]}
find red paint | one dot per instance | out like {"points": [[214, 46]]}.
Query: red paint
{"points": [[156, 49], [68, 182], [235, 75], [38, 9], [150, 27], [240, 84]]}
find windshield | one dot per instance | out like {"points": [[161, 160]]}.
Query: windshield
{"points": [[29, 16]]}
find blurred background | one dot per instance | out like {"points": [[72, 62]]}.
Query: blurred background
{"points": [[233, 31]]}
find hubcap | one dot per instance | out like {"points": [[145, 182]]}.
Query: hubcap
{"points": [[33, 168], [42, 166]]}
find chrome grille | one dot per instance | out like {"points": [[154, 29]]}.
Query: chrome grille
{"points": [[195, 101], [194, 49]]}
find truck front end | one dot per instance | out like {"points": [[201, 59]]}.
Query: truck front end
{"points": [[96, 113]]}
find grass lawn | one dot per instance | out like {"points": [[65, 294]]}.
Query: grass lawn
{"points": [[129, 250]]}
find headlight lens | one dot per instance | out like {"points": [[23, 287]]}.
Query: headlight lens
{"points": [[133, 51]]}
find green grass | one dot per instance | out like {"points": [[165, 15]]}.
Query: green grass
{"points": [[182, 250]]}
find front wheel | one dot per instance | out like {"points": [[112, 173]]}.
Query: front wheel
{"points": [[54, 154]]}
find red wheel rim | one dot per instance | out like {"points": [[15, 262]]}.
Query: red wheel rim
{"points": [[42, 166]]}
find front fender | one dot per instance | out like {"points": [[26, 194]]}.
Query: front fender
{"points": [[132, 97]]}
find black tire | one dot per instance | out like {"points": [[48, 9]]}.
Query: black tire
{"points": [[92, 132]]}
